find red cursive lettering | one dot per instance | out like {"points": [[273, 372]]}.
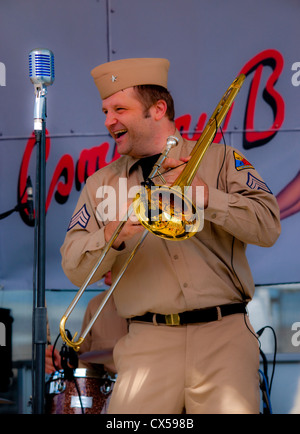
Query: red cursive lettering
{"points": [[273, 59], [64, 174]]}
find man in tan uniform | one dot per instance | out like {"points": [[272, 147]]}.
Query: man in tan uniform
{"points": [[208, 362]]}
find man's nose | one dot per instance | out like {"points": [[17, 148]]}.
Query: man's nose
{"points": [[110, 120]]}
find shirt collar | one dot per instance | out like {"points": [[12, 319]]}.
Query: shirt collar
{"points": [[133, 163]]}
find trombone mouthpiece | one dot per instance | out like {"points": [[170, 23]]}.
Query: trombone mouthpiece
{"points": [[172, 141]]}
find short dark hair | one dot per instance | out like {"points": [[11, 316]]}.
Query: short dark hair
{"points": [[149, 94]]}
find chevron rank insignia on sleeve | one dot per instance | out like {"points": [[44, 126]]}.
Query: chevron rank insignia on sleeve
{"points": [[241, 162], [255, 183], [81, 218]]}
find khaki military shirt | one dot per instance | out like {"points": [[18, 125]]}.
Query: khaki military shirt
{"points": [[165, 277]]}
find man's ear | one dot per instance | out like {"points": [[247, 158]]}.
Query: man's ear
{"points": [[160, 108]]}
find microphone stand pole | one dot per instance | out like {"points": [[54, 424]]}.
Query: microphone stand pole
{"points": [[39, 335]]}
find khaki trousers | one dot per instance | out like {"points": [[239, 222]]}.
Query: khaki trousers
{"points": [[200, 369]]}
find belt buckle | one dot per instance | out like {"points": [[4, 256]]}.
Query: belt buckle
{"points": [[172, 319]]}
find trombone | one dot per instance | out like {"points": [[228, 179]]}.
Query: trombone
{"points": [[150, 206], [171, 142]]}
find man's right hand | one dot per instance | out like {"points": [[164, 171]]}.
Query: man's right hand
{"points": [[130, 228]]}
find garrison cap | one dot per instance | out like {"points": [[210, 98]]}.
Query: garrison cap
{"points": [[117, 75]]}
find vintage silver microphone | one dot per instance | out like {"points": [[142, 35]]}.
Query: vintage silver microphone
{"points": [[41, 74]]}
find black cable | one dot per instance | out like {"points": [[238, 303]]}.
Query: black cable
{"points": [[265, 366], [224, 156], [233, 238], [266, 386], [149, 181], [18, 207], [267, 407], [68, 372], [259, 333], [79, 394], [68, 357], [53, 350]]}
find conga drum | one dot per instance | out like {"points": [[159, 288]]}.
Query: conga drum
{"points": [[87, 392]]}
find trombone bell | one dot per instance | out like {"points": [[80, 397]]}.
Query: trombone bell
{"points": [[167, 212]]}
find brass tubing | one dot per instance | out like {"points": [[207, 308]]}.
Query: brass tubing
{"points": [[208, 134]]}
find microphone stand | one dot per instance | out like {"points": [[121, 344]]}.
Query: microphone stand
{"points": [[39, 335]]}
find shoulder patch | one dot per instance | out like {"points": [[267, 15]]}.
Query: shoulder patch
{"points": [[241, 162], [257, 184], [81, 218]]}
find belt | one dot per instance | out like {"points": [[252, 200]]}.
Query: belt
{"points": [[193, 316]]}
